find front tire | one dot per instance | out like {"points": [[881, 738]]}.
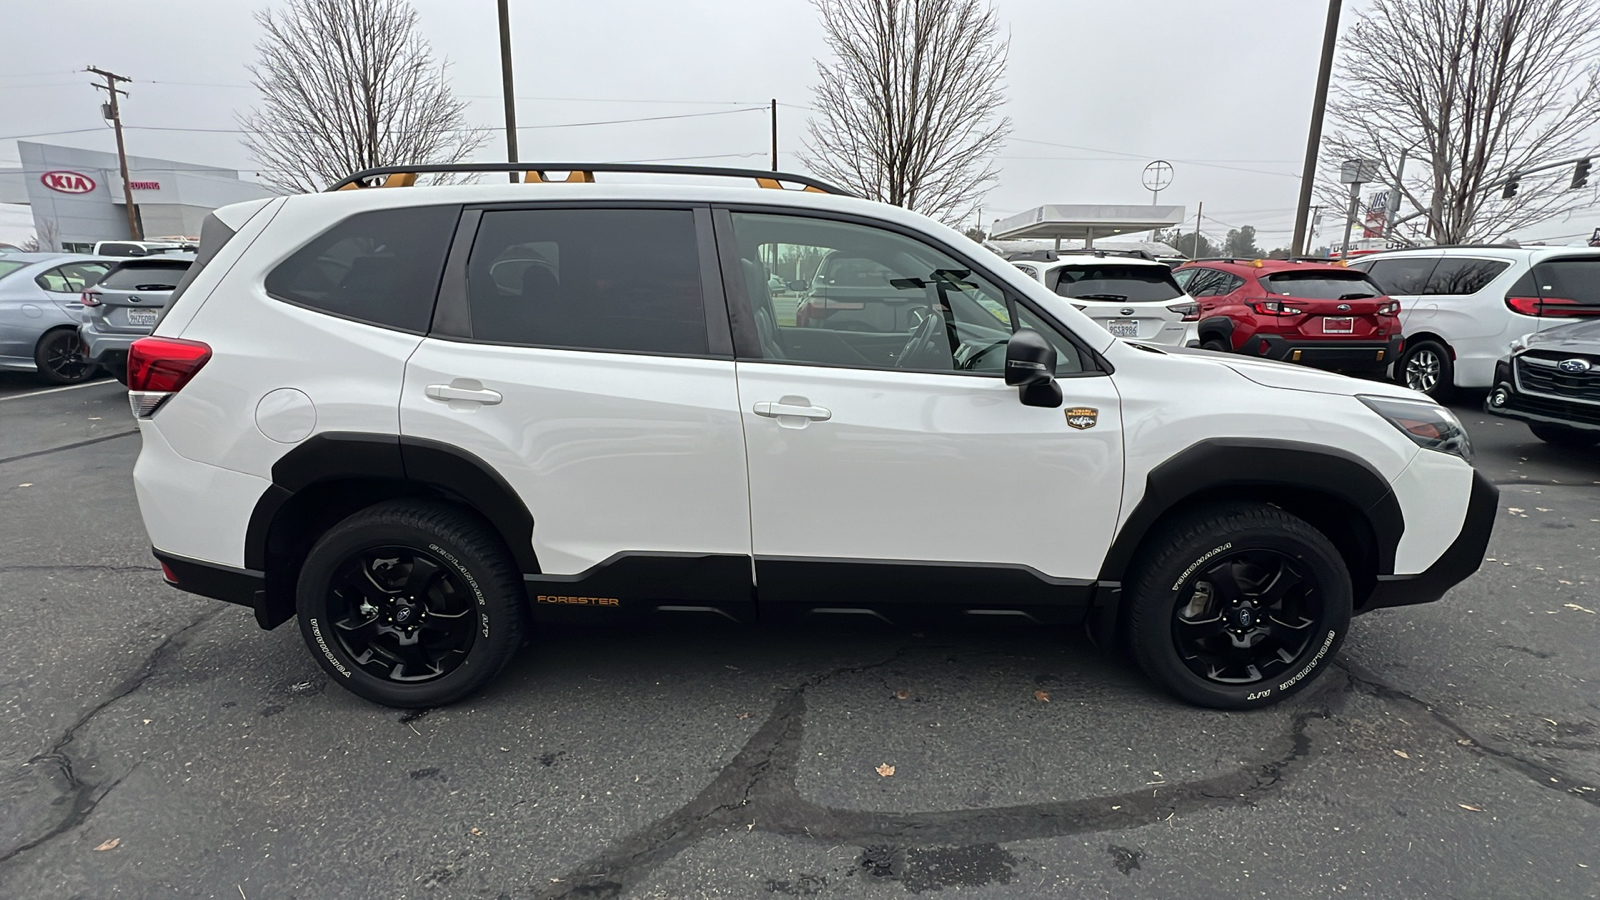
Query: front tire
{"points": [[59, 357], [1564, 437], [1238, 606], [1427, 367], [411, 603]]}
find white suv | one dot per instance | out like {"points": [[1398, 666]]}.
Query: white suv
{"points": [[1129, 294], [1461, 307], [421, 419]]}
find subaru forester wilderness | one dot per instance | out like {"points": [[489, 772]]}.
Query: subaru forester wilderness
{"points": [[422, 420]]}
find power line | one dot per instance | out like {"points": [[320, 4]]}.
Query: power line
{"points": [[1146, 156]]}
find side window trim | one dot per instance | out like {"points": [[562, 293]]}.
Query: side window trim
{"points": [[719, 329], [452, 315]]}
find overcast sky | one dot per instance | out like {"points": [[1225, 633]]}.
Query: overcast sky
{"points": [[1221, 88]]}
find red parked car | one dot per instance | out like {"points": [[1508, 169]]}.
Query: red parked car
{"points": [[1317, 313]]}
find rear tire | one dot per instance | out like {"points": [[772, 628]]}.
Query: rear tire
{"points": [[1427, 367], [1238, 606], [1564, 437], [59, 356], [411, 603], [1215, 344]]}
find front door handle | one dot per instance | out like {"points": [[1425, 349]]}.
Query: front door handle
{"points": [[451, 392], [772, 409]]}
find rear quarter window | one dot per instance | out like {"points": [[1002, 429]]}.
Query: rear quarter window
{"points": [[381, 267]]}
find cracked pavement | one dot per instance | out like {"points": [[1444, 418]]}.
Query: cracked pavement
{"points": [[1452, 751]]}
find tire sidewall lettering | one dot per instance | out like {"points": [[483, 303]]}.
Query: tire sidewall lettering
{"points": [[316, 633], [477, 591], [1209, 554], [1327, 644]]}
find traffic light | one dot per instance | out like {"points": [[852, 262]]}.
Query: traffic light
{"points": [[1510, 190], [1580, 174]]}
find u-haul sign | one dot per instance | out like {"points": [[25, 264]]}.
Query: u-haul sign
{"points": [[67, 182]]}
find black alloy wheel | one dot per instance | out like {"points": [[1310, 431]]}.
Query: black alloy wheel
{"points": [[1237, 606], [411, 603], [59, 356]]}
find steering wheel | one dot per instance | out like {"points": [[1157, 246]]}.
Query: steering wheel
{"points": [[928, 336]]}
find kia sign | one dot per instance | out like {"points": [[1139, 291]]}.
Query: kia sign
{"points": [[67, 182]]}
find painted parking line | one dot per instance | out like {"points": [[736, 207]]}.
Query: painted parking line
{"points": [[56, 390]]}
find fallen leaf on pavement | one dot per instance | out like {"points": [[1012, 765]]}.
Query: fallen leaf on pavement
{"points": [[1402, 754], [1464, 742], [1578, 608], [886, 770], [1513, 509], [1041, 696], [1469, 806], [902, 694], [26, 484], [744, 715], [109, 845], [478, 832]]}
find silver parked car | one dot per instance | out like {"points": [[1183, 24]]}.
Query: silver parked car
{"points": [[124, 306], [40, 311]]}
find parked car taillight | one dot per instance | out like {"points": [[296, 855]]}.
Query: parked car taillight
{"points": [[89, 298], [158, 368], [1391, 308], [1275, 308], [1189, 311], [1550, 306]]}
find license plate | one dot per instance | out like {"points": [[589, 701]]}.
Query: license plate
{"points": [[1123, 327], [1338, 325], [143, 316]]}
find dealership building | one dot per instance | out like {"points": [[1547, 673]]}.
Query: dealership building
{"points": [[76, 195]]}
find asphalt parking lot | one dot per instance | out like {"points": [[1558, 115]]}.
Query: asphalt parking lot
{"points": [[160, 745]]}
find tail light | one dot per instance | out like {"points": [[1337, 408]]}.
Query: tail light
{"points": [[89, 298], [159, 367], [1550, 306], [1275, 308], [1189, 311], [1390, 308]]}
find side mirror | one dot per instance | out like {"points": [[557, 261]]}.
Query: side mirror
{"points": [[1031, 366], [798, 284]]}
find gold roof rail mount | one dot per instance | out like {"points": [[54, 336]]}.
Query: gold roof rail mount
{"points": [[579, 173]]}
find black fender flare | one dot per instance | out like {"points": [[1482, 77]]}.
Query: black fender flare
{"points": [[1220, 326], [335, 456], [1214, 466]]}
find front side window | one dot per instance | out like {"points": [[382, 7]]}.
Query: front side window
{"points": [[72, 278], [1463, 276], [625, 280], [1118, 282], [381, 267], [903, 305]]}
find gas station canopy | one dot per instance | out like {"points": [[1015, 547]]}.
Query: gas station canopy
{"points": [[1085, 222]]}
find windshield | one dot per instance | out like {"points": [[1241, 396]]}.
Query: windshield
{"points": [[1322, 285], [144, 278], [9, 266], [1119, 282]]}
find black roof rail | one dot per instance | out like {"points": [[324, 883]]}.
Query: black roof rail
{"points": [[1503, 245], [406, 176], [1056, 255]]}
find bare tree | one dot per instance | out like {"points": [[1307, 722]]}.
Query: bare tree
{"points": [[1475, 91], [349, 85], [46, 238], [908, 113]]}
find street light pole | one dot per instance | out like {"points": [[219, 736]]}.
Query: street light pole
{"points": [[505, 78], [1308, 174], [110, 87]]}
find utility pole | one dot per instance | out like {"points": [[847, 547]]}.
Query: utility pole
{"points": [[774, 134], [505, 79], [110, 87], [1308, 174], [1350, 218], [1194, 245]]}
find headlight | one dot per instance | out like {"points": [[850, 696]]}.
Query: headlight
{"points": [[1429, 425]]}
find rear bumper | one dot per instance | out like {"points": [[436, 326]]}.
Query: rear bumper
{"points": [[244, 587], [1454, 566], [1340, 356], [98, 345]]}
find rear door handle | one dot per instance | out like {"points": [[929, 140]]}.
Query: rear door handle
{"points": [[451, 392], [775, 408]]}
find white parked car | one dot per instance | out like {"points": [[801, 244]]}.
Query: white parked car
{"points": [[1129, 294], [1461, 307], [351, 413]]}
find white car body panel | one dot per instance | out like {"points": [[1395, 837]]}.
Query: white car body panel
{"points": [[611, 452], [1433, 494], [1156, 323], [928, 467], [195, 510]]}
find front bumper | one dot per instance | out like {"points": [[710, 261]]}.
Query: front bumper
{"points": [[1507, 401], [99, 345], [1458, 561], [1340, 356]]}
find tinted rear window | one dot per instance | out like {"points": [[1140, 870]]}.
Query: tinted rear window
{"points": [[1577, 280], [381, 267], [145, 278], [1322, 285], [1122, 283]]}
